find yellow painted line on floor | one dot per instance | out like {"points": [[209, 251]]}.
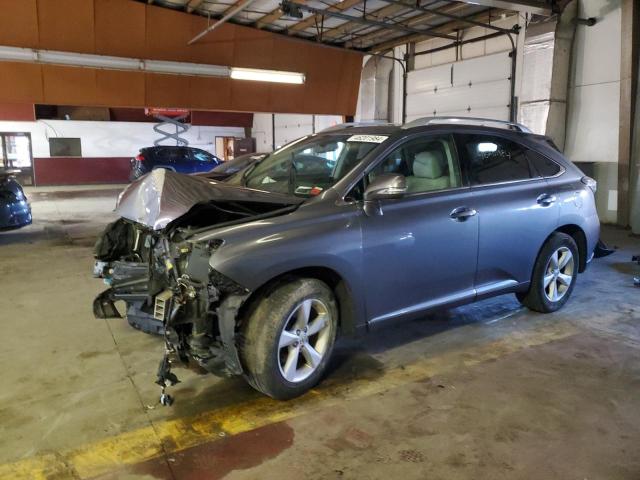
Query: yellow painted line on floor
{"points": [[176, 435]]}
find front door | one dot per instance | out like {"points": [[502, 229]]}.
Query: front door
{"points": [[420, 250]]}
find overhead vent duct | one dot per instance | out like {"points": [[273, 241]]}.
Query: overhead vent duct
{"points": [[374, 89], [545, 76]]}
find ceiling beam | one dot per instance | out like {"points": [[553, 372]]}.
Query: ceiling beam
{"points": [[401, 27], [531, 6], [271, 17], [313, 19], [449, 26], [192, 5], [418, 19], [227, 15], [440, 13]]}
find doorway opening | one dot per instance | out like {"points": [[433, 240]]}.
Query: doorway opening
{"points": [[15, 152]]}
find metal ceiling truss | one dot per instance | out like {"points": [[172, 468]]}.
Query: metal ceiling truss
{"points": [[376, 30], [371, 22]]}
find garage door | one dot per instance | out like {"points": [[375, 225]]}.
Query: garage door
{"points": [[478, 87]]}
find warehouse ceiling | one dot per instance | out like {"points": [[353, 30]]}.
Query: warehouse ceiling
{"points": [[367, 25]]}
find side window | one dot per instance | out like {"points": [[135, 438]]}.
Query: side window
{"points": [[201, 156], [542, 165], [428, 163], [495, 160]]}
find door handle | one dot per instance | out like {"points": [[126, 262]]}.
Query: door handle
{"points": [[460, 214], [545, 199]]}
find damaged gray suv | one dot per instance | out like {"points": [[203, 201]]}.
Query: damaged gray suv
{"points": [[341, 231]]}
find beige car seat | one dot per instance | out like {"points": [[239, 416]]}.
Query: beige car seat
{"points": [[428, 173]]}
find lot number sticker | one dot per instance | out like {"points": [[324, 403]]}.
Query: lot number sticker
{"points": [[367, 138]]}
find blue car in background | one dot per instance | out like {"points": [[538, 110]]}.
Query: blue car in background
{"points": [[187, 160], [15, 211]]}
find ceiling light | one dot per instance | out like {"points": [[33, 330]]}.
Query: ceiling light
{"points": [[88, 60], [267, 75], [17, 54], [183, 68]]}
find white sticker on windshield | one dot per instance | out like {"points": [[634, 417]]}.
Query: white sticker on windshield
{"points": [[367, 138]]}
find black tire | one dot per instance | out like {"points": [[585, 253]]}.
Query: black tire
{"points": [[536, 298], [260, 352]]}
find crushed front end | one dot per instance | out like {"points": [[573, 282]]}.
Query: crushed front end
{"points": [[169, 280], [166, 279]]}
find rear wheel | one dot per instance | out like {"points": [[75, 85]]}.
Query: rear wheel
{"points": [[289, 338], [554, 275]]}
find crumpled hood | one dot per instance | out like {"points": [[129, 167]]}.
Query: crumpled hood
{"points": [[158, 198]]}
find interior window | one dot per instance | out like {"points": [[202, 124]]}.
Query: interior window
{"points": [[495, 160], [429, 164], [544, 166]]}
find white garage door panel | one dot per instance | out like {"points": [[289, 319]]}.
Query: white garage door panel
{"points": [[428, 79], [487, 95], [289, 127], [482, 69], [481, 88]]}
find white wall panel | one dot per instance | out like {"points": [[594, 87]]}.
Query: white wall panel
{"points": [[111, 139], [592, 134]]}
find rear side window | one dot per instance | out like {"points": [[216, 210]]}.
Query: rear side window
{"points": [[542, 165], [495, 160], [201, 156]]}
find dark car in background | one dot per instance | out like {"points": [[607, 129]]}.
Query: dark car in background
{"points": [[186, 160], [226, 169], [15, 211]]}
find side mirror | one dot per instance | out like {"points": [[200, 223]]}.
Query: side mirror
{"points": [[386, 186]]}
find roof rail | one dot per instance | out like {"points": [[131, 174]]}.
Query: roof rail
{"points": [[486, 122], [371, 123]]}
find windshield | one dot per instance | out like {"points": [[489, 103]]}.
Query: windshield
{"points": [[309, 165]]}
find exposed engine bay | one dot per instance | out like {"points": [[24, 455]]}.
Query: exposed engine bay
{"points": [[149, 262]]}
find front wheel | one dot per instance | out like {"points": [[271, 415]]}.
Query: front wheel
{"points": [[288, 338], [554, 275]]}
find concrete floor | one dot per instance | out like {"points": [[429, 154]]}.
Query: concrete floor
{"points": [[487, 391]]}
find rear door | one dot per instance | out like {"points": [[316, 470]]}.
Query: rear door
{"points": [[516, 210], [420, 251], [202, 161]]}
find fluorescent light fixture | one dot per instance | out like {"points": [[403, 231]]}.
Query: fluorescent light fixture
{"points": [[184, 68], [267, 75], [88, 60], [17, 54]]}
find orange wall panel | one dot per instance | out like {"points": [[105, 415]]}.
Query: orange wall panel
{"points": [[18, 23], [250, 96], [167, 34], [69, 85], [66, 25], [115, 88], [210, 93], [166, 90], [21, 82], [135, 29], [120, 28]]}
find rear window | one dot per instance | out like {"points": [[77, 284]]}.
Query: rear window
{"points": [[544, 166], [495, 160]]}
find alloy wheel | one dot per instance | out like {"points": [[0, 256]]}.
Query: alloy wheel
{"points": [[304, 340], [559, 274]]}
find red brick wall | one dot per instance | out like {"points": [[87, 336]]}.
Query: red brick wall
{"points": [[80, 170]]}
